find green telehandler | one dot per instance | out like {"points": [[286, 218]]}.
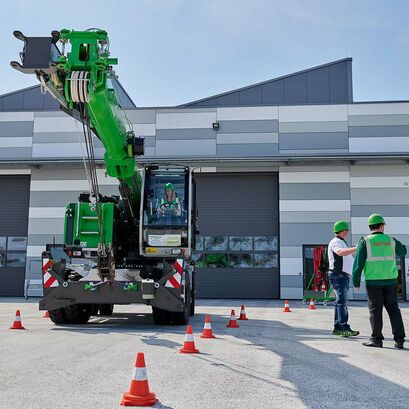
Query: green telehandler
{"points": [[131, 248]]}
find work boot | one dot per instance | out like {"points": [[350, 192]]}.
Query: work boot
{"points": [[373, 343], [399, 344], [348, 332]]}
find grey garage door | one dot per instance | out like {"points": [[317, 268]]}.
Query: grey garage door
{"points": [[237, 248], [14, 203]]}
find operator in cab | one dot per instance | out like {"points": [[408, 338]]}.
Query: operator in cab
{"points": [[169, 203]]}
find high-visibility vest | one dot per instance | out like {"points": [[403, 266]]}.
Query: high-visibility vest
{"points": [[381, 257]]}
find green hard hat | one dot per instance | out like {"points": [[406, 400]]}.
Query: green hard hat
{"points": [[340, 225], [169, 186], [375, 219]]}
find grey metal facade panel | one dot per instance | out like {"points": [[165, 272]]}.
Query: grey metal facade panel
{"points": [[15, 153], [141, 116], [58, 137], [378, 120], [13, 102], [340, 83], [313, 140], [310, 217], [188, 147], [16, 128], [237, 283], [149, 141], [318, 86], [182, 110], [312, 191], [380, 170], [389, 196], [378, 131], [232, 99], [46, 225], [295, 89], [247, 149], [250, 96], [252, 126], [403, 238], [43, 239], [63, 173], [272, 93], [291, 293], [313, 126], [290, 251], [187, 133], [291, 281], [384, 210], [297, 234]]}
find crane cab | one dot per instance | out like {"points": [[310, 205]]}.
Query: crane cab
{"points": [[167, 212]]}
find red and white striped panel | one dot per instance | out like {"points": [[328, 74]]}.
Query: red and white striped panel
{"points": [[176, 280], [48, 280]]}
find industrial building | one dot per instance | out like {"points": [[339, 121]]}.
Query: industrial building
{"points": [[276, 164]]}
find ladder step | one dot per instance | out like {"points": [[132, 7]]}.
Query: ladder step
{"points": [[89, 217], [89, 232]]}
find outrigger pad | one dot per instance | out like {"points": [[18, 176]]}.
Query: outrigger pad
{"points": [[38, 55]]}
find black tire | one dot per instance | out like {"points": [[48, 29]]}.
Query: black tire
{"points": [[161, 317], [58, 316], [94, 309], [106, 309], [78, 313]]}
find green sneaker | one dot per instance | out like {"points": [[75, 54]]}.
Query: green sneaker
{"points": [[336, 331], [349, 333]]}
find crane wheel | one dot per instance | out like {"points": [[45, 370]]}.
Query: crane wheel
{"points": [[78, 313], [58, 316]]}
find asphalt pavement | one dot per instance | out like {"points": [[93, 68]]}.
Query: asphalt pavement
{"points": [[274, 360]]}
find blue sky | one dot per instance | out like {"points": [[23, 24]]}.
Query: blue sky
{"points": [[175, 51]]}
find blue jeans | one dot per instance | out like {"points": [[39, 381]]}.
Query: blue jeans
{"points": [[340, 285]]}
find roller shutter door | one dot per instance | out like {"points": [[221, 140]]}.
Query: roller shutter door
{"points": [[14, 204], [237, 248]]}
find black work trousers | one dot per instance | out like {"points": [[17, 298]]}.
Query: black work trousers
{"points": [[378, 297]]}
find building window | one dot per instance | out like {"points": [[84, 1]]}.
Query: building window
{"points": [[13, 251], [236, 252]]}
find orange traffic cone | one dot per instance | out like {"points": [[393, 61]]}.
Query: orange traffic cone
{"points": [[232, 323], [17, 321], [139, 393], [207, 330], [243, 316], [189, 344], [312, 305], [46, 314], [324, 286], [286, 306]]}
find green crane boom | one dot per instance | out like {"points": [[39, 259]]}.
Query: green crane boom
{"points": [[80, 80]]}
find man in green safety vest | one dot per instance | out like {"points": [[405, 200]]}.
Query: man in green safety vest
{"points": [[376, 257]]}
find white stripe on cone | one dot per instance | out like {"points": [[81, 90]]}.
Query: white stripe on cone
{"points": [[207, 325], [139, 374], [18, 318], [189, 338]]}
